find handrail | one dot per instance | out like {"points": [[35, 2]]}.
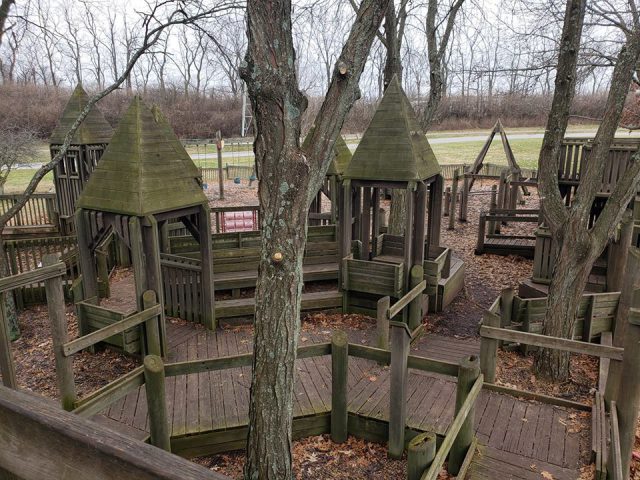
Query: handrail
{"points": [[92, 338], [406, 300], [34, 276], [544, 341], [452, 432]]}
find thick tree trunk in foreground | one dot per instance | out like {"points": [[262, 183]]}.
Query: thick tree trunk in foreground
{"points": [[577, 245], [289, 180]]}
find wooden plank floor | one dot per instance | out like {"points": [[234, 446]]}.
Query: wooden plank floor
{"points": [[534, 433]]}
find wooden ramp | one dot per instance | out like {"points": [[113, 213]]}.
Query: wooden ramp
{"points": [[198, 404]]}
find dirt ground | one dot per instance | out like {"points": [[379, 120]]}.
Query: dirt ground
{"points": [[317, 457]]}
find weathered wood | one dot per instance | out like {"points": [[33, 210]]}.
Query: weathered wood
{"points": [[452, 432], [605, 339], [74, 346], [434, 222], [156, 403], [468, 373], [153, 343], [421, 451], [489, 348], [454, 198], [339, 377], [105, 396], [587, 327], [506, 306], [447, 202], [7, 366], [382, 323], [86, 261], [628, 397], [412, 294], [415, 306], [33, 432], [493, 206], [482, 226], [400, 342], [59, 336], [207, 287], [561, 402], [614, 464], [38, 275], [464, 199], [544, 341]]}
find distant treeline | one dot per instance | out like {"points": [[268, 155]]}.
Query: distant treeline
{"points": [[38, 108]]}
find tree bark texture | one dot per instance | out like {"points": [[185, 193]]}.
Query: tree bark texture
{"points": [[289, 180], [576, 245]]}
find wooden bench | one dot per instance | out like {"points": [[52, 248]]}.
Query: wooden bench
{"points": [[443, 271], [490, 241]]}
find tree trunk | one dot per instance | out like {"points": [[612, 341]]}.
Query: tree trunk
{"points": [[572, 267], [398, 212], [289, 180]]}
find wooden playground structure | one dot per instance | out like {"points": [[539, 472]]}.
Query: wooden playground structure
{"points": [[436, 399]]}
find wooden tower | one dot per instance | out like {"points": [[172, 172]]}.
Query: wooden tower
{"points": [[331, 186], [87, 146], [140, 184], [393, 154]]}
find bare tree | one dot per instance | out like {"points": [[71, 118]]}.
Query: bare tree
{"points": [[290, 178], [5, 6], [577, 245]]}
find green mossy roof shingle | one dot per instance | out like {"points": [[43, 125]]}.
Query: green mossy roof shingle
{"points": [[93, 130], [394, 147], [143, 170], [342, 154]]}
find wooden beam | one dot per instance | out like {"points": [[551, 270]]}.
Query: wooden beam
{"points": [[74, 346], [34, 276], [544, 341], [206, 276], [400, 342], [33, 432]]}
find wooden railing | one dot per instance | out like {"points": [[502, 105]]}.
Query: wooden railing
{"points": [[182, 278], [34, 430], [489, 222], [40, 210]]}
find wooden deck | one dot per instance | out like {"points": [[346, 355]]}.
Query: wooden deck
{"points": [[523, 432]]}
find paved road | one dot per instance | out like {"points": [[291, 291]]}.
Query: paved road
{"points": [[432, 141]]}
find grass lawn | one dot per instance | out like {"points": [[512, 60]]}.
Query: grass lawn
{"points": [[19, 179]]}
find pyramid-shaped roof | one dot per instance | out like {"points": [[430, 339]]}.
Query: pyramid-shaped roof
{"points": [[93, 130], [341, 150], [163, 123], [394, 147], [142, 171]]}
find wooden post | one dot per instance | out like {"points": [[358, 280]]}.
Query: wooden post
{"points": [[464, 199], [165, 243], [339, 376], [628, 395], [468, 373], [447, 202], [398, 388], [419, 225], [506, 306], [489, 349], [420, 454], [409, 231], [482, 225], [156, 402], [434, 221], [454, 199], [334, 194], [502, 189], [415, 307], [152, 326], [345, 218], [87, 264], [617, 257], [356, 209], [103, 271], [492, 208], [621, 325], [7, 366], [60, 336], [365, 226], [376, 213], [219, 145], [382, 323], [206, 273]]}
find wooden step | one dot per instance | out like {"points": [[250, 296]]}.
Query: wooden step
{"points": [[245, 307]]}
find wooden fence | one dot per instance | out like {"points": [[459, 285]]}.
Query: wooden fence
{"points": [[40, 210], [458, 444], [181, 278]]}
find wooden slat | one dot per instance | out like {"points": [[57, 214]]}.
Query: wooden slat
{"points": [[34, 276], [102, 334], [544, 341]]}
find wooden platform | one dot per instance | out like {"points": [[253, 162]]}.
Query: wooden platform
{"points": [[510, 246], [218, 401], [245, 307]]}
